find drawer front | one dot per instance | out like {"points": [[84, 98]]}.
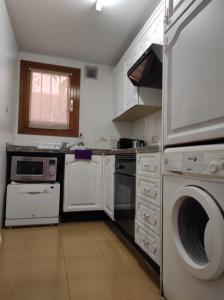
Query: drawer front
{"points": [[148, 164], [148, 189], [148, 241], [148, 215]]}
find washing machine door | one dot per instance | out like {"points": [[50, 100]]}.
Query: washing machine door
{"points": [[198, 232]]}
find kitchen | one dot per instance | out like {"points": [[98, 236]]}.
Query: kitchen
{"points": [[103, 135]]}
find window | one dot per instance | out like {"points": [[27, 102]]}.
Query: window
{"points": [[49, 99]]}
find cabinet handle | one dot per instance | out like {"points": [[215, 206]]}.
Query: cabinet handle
{"points": [[34, 193], [71, 107], [155, 193], [146, 217], [155, 249], [155, 221], [145, 243]]}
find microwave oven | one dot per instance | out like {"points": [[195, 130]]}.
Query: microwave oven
{"points": [[28, 168]]}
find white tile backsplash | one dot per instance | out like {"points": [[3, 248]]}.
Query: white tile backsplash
{"points": [[149, 128]]}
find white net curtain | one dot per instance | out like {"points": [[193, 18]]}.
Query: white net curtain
{"points": [[49, 100]]}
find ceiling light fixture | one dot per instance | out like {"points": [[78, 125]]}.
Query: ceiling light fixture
{"points": [[99, 5]]}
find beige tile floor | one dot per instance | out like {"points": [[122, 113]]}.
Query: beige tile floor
{"points": [[76, 261]]}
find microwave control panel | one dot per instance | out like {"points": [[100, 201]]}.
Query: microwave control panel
{"points": [[52, 167]]}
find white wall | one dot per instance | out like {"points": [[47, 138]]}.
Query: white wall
{"points": [[149, 128], [9, 90], [95, 108]]}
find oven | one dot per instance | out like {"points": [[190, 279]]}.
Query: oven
{"points": [[124, 204], [33, 169]]}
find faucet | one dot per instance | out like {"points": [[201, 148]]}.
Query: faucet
{"points": [[64, 145]]}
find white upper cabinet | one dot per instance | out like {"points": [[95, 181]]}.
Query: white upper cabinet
{"points": [[118, 89], [153, 31], [194, 75], [125, 94], [174, 9], [108, 185], [82, 184], [131, 91]]}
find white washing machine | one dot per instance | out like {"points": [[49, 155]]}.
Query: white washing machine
{"points": [[193, 223]]}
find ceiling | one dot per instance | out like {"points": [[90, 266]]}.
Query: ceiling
{"points": [[73, 28]]}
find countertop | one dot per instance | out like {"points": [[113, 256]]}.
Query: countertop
{"points": [[147, 149]]}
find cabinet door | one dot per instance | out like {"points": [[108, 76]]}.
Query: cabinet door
{"points": [[174, 10], [115, 93], [148, 241], [108, 185], [149, 164], [118, 90], [194, 72], [131, 91], [148, 189], [153, 32], [83, 184], [148, 215]]}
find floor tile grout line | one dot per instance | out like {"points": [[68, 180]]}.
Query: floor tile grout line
{"points": [[120, 285], [66, 273], [115, 277]]}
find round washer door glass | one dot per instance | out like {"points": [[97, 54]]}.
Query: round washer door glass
{"points": [[198, 232]]}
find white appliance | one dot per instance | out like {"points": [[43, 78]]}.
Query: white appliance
{"points": [[32, 204], [193, 74], [31, 168], [193, 223]]}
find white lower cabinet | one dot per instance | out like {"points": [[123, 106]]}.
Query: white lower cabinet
{"points": [[108, 185], [148, 215], [83, 184], [148, 241], [148, 202], [148, 164], [148, 189]]}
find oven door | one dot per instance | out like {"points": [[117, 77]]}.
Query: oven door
{"points": [[28, 168], [124, 206]]}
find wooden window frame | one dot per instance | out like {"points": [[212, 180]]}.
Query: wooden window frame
{"points": [[24, 99]]}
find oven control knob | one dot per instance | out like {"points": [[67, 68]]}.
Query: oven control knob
{"points": [[213, 166]]}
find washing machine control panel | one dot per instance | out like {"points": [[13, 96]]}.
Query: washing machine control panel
{"points": [[198, 160]]}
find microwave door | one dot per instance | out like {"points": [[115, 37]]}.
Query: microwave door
{"points": [[30, 168]]}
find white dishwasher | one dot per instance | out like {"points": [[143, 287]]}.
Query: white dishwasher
{"points": [[32, 204]]}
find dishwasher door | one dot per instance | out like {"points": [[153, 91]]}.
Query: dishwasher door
{"points": [[28, 204]]}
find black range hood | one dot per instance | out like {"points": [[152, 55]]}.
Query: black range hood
{"points": [[147, 71]]}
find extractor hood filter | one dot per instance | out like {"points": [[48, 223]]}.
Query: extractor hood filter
{"points": [[147, 71]]}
